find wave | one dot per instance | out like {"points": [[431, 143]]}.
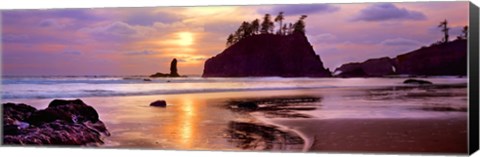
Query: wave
{"points": [[111, 93]]}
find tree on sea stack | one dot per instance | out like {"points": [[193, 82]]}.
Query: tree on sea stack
{"points": [[465, 32], [444, 26], [299, 26], [267, 25], [230, 40], [255, 26], [279, 19]]}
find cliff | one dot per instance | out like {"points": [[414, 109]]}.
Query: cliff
{"points": [[444, 59], [267, 55]]}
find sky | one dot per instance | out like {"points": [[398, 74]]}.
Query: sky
{"points": [[143, 41]]}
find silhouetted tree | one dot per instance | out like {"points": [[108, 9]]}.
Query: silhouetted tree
{"points": [[279, 19], [284, 29], [465, 32], [230, 40], [444, 26], [299, 26], [267, 25], [255, 26], [246, 29], [290, 28]]}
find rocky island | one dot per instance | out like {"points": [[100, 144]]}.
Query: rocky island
{"points": [[258, 52]]}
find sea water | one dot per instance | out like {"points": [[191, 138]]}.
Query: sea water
{"points": [[103, 86]]}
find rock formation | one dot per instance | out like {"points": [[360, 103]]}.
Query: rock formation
{"points": [[371, 68], [173, 71], [159, 103], [444, 59], [63, 122], [267, 55], [173, 68]]}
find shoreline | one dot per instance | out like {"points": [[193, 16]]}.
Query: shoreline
{"points": [[192, 116]]}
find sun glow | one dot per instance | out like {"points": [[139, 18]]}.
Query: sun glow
{"points": [[185, 38]]}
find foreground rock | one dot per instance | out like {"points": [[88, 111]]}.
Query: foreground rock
{"points": [[159, 103], [63, 122], [267, 55], [416, 81]]}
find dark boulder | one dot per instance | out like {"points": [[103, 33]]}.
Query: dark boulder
{"points": [[63, 122], [416, 81], [247, 105], [267, 55], [159, 103]]}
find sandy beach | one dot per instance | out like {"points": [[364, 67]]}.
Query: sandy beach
{"points": [[432, 135], [407, 119]]}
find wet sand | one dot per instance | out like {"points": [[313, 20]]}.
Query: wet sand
{"points": [[432, 135]]}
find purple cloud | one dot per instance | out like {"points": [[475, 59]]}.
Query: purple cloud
{"points": [[400, 42], [52, 23], [15, 37], [301, 9], [72, 52], [387, 11], [144, 52], [149, 20]]}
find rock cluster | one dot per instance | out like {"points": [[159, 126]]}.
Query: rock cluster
{"points": [[445, 59], [63, 122]]}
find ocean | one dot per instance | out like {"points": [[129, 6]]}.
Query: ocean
{"points": [[104, 86]]}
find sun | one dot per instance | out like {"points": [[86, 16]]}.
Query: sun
{"points": [[185, 38]]}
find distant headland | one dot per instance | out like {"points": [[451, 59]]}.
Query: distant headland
{"points": [[255, 50]]}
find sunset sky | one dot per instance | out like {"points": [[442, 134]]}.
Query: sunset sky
{"points": [[142, 41]]}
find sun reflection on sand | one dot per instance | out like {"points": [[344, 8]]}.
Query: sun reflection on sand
{"points": [[187, 121]]}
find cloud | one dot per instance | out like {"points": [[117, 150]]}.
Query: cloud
{"points": [[387, 11], [149, 20], [52, 23], [15, 37], [117, 30], [144, 52], [301, 9], [321, 38], [400, 42], [72, 52], [192, 58]]}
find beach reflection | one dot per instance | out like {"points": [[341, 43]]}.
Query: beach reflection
{"points": [[187, 122]]}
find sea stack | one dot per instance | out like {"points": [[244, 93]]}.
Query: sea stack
{"points": [[267, 55], [173, 71], [173, 68]]}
